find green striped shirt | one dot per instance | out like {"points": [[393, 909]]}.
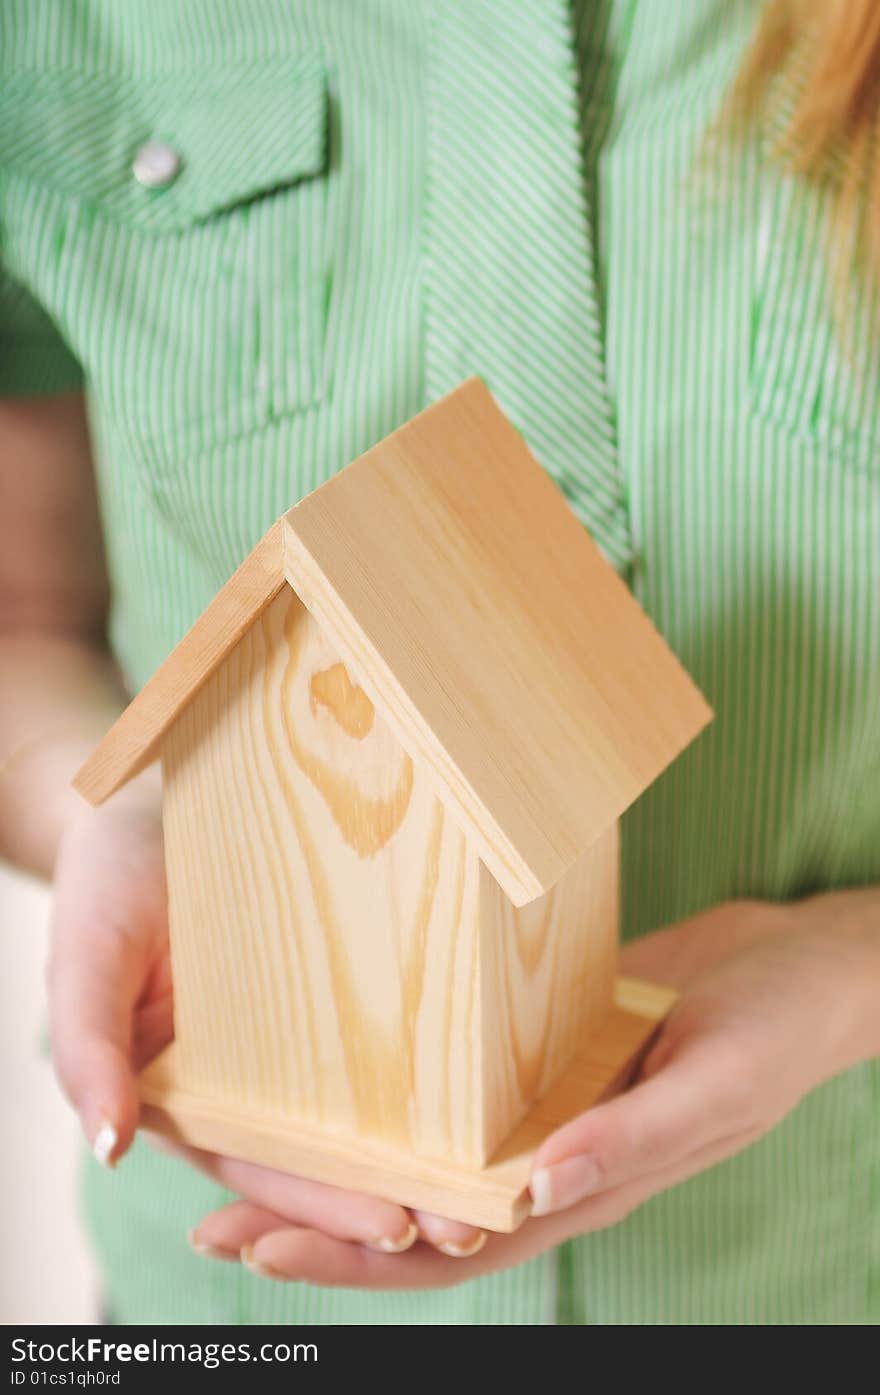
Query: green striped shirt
{"points": [[377, 199]]}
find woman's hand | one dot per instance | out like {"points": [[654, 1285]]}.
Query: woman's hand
{"points": [[111, 1012], [774, 1001], [110, 1005], [789, 1002]]}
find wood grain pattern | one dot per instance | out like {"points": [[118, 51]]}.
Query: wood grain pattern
{"points": [[502, 650], [133, 742], [339, 954], [494, 1196], [547, 973]]}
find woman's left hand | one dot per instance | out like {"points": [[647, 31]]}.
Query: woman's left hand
{"points": [[774, 1001]]}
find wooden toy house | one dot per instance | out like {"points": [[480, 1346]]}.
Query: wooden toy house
{"points": [[394, 749]]}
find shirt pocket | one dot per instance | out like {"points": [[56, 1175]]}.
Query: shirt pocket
{"points": [[196, 308], [814, 365]]}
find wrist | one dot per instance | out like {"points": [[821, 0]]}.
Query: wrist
{"points": [[845, 927], [38, 802]]}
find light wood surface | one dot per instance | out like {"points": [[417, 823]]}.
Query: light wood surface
{"points": [[394, 750], [133, 742], [494, 1196], [339, 954], [503, 651], [547, 976]]}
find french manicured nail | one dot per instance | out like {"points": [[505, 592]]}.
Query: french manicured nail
{"points": [[264, 1271], [389, 1246], [554, 1188], [104, 1143], [206, 1251], [471, 1247]]}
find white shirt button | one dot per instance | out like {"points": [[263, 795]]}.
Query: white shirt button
{"points": [[156, 164]]}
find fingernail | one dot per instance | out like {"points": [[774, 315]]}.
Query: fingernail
{"points": [[105, 1141], [390, 1246], [206, 1251], [472, 1247], [555, 1188], [263, 1271]]}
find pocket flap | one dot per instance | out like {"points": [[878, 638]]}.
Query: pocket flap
{"points": [[237, 133]]}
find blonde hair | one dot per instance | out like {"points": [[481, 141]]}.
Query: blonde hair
{"points": [[812, 75]]}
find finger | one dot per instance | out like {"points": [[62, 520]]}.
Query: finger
{"points": [[153, 1029], [224, 1233], [656, 957], [294, 1253], [306, 1255], [345, 1215], [93, 983], [611, 1207], [679, 953], [453, 1238], [693, 1101], [297, 1198]]}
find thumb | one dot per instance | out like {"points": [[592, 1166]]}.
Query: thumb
{"points": [[94, 981], [691, 1102]]}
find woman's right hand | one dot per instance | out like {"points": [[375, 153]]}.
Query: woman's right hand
{"points": [[110, 1005]]}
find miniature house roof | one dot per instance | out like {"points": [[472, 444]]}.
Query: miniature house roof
{"points": [[482, 621]]}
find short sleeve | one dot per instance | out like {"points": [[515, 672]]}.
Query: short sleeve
{"points": [[34, 359]]}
